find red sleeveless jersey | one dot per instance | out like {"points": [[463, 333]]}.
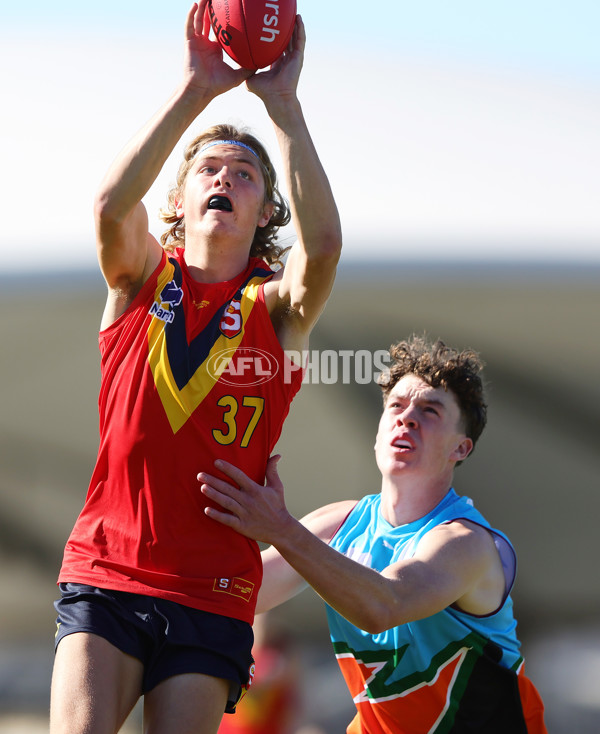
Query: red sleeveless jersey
{"points": [[191, 372]]}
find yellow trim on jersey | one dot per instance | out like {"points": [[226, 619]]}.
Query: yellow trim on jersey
{"points": [[179, 404]]}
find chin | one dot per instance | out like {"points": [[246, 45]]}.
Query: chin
{"points": [[399, 467]]}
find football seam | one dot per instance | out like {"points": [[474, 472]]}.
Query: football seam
{"points": [[246, 36]]}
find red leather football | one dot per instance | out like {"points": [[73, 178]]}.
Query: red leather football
{"points": [[254, 33]]}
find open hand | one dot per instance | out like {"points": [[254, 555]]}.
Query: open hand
{"points": [[256, 511]]}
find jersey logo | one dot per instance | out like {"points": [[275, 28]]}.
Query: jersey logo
{"points": [[231, 323], [184, 371], [172, 294], [235, 586], [170, 297]]}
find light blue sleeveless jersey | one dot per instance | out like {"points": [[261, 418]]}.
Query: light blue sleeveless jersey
{"points": [[368, 538], [431, 674]]}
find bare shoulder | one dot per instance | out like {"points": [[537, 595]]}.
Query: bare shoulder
{"points": [[324, 521], [123, 286], [470, 537], [276, 307], [271, 288], [469, 550], [297, 293]]}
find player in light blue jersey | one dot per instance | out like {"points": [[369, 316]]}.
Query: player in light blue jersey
{"points": [[417, 583]]}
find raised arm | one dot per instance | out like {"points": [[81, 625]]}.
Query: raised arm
{"points": [[454, 563], [301, 289], [126, 251]]}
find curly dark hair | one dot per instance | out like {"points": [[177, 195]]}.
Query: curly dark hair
{"points": [[263, 244], [442, 366]]}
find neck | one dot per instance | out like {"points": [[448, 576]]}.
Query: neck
{"points": [[404, 501], [214, 264]]}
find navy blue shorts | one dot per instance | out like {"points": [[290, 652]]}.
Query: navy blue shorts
{"points": [[168, 638]]}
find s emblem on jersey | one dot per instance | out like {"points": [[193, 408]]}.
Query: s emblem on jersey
{"points": [[231, 323], [235, 586], [170, 297]]}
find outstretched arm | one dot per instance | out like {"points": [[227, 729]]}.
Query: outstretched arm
{"points": [[126, 251], [280, 580], [454, 563], [302, 288]]}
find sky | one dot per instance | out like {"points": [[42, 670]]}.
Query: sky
{"points": [[465, 130]]}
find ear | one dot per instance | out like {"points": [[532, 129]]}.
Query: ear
{"points": [[266, 215], [463, 449], [179, 207]]}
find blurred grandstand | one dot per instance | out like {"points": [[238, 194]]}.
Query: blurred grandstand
{"points": [[534, 474]]}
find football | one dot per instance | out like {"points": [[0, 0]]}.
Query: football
{"points": [[254, 33]]}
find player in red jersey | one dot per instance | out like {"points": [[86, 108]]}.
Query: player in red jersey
{"points": [[154, 601]]}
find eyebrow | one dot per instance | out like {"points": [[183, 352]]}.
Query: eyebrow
{"points": [[433, 401], [238, 159], [427, 401]]}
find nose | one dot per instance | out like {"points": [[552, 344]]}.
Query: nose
{"points": [[223, 178], [408, 417]]}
